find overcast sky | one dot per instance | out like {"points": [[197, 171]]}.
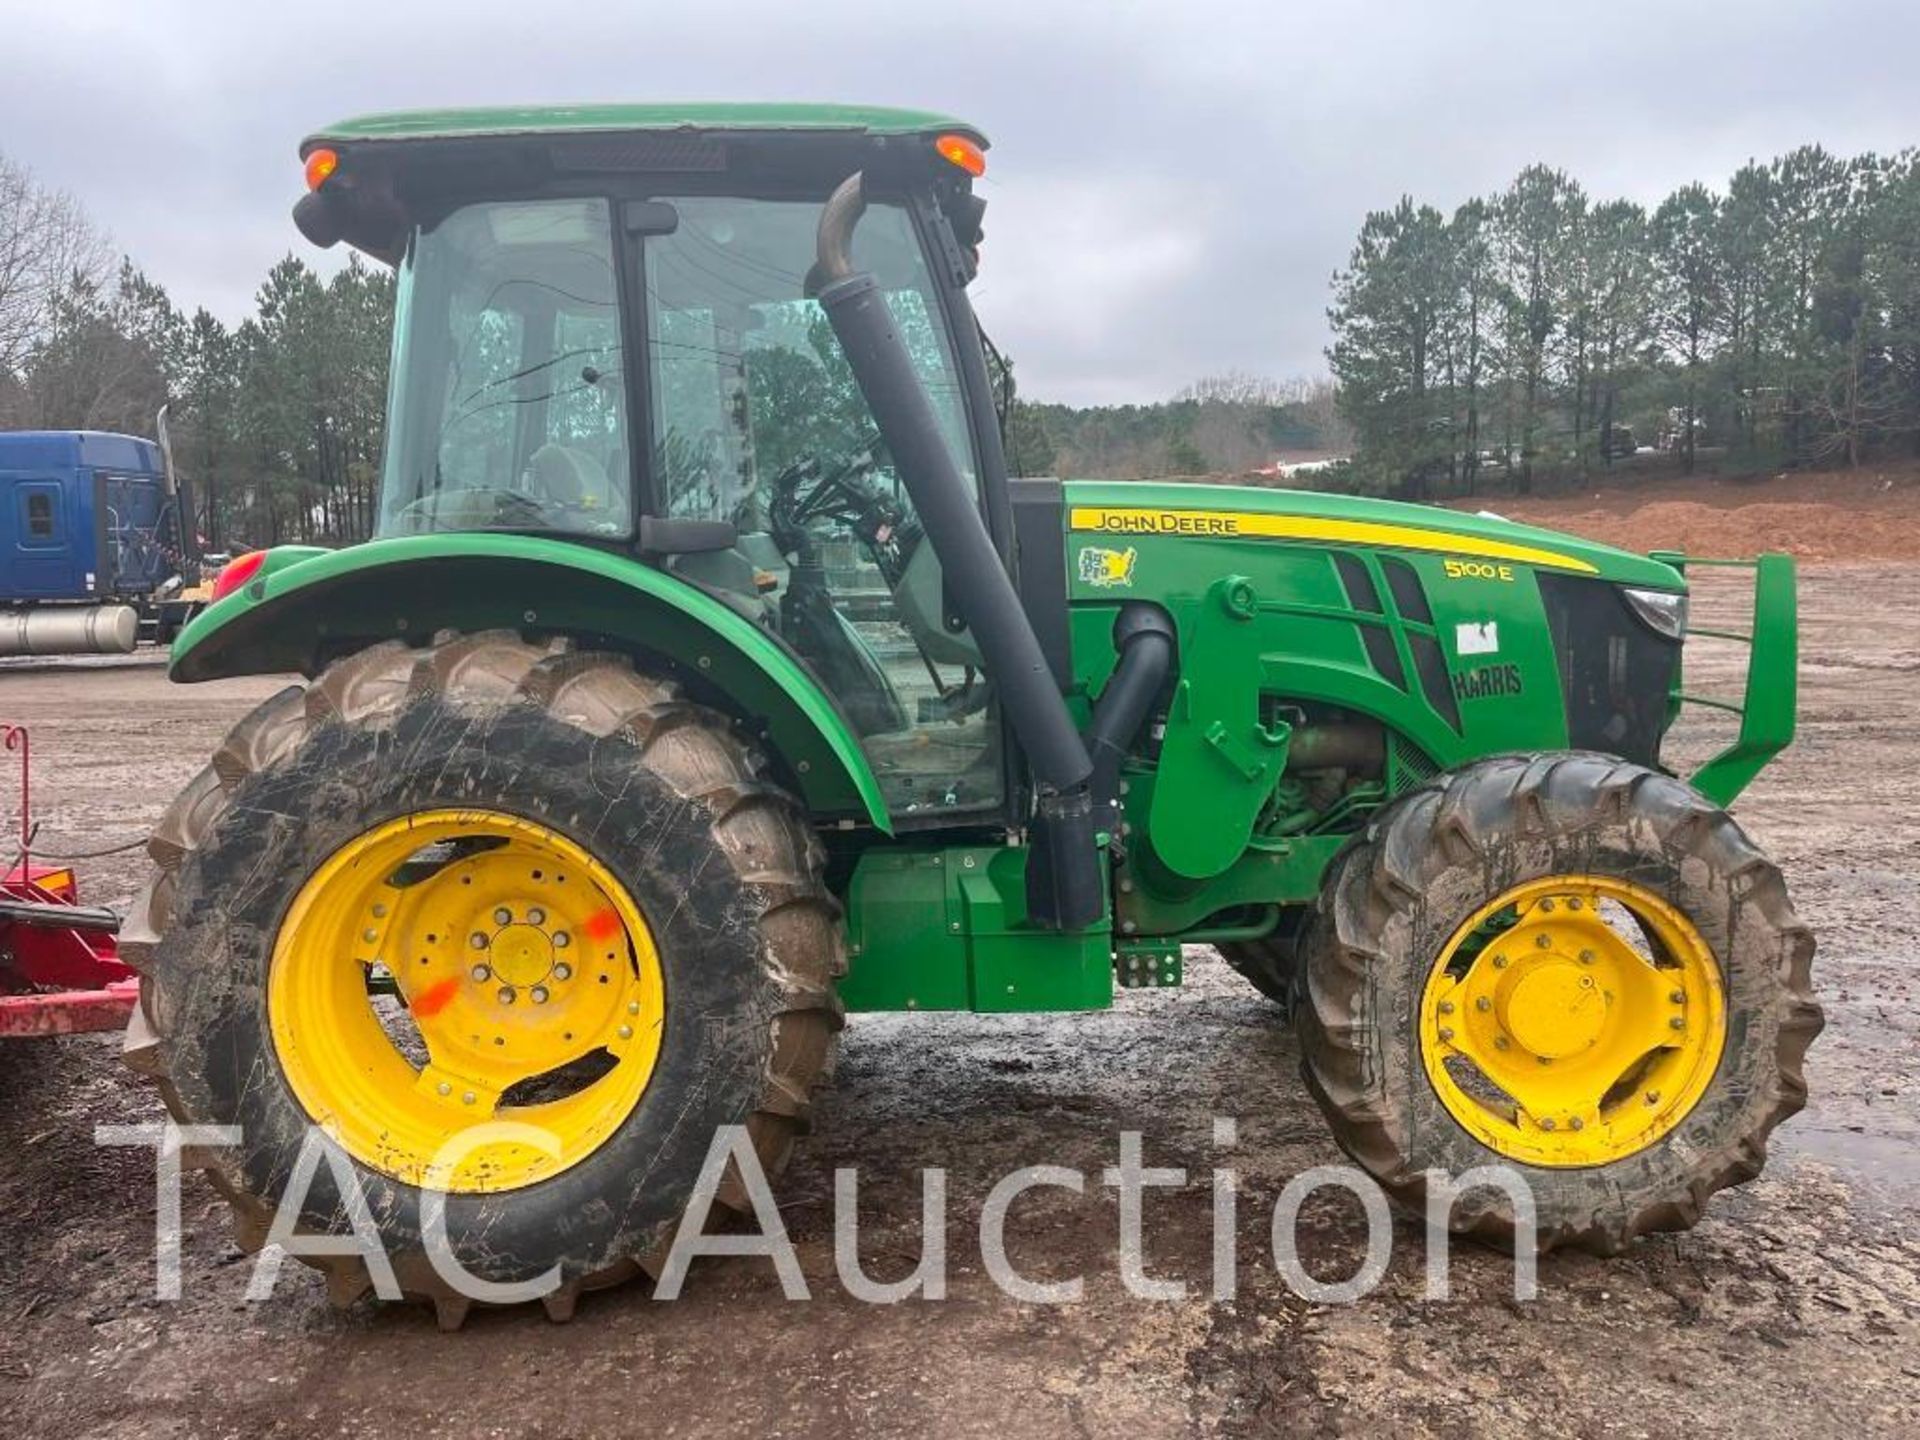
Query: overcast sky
{"points": [[1171, 183]]}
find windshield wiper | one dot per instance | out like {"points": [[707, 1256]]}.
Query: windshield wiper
{"points": [[524, 372]]}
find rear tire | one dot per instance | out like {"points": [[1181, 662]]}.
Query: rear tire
{"points": [[1394, 904], [722, 865]]}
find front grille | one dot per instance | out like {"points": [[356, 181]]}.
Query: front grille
{"points": [[1615, 673]]}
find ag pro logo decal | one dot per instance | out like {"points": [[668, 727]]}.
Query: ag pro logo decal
{"points": [[1106, 569]]}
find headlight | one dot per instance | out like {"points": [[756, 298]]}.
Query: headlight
{"points": [[1663, 610]]}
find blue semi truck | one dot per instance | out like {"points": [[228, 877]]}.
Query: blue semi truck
{"points": [[97, 544]]}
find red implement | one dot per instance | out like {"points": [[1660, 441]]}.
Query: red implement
{"points": [[60, 969]]}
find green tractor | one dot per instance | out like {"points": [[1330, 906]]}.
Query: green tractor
{"points": [[709, 677]]}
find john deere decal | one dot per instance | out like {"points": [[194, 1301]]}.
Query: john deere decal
{"points": [[1249, 525], [1105, 569]]}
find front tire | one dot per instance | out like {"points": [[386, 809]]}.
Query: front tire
{"points": [[412, 819], [1566, 964]]}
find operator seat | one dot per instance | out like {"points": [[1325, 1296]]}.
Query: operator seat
{"points": [[570, 476]]}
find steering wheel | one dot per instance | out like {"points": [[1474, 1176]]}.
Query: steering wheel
{"points": [[841, 484]]}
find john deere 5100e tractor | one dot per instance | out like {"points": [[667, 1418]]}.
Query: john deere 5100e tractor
{"points": [[708, 677]]}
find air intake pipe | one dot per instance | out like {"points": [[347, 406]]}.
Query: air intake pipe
{"points": [[1143, 641], [1064, 889]]}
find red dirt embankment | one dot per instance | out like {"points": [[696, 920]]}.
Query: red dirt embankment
{"points": [[1871, 514]]}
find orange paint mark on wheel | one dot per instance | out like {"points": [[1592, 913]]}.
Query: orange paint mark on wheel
{"points": [[435, 998], [601, 925]]}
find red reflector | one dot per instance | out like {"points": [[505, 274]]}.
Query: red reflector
{"points": [[236, 573]]}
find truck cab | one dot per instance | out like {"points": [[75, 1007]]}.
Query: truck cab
{"points": [[91, 539]]}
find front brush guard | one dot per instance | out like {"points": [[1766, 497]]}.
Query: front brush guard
{"points": [[1767, 709]]}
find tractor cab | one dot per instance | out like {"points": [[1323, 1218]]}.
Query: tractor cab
{"points": [[619, 341]]}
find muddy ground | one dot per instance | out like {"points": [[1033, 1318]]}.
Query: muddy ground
{"points": [[1793, 1309]]}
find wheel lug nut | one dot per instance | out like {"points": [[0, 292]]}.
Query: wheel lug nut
{"points": [[538, 994], [1483, 1004], [633, 1007], [1499, 1042], [503, 916], [536, 916], [1678, 997], [1445, 1034], [1586, 957], [467, 1099], [508, 995], [1446, 1007], [1546, 907], [1547, 1124], [1499, 962], [625, 1032], [477, 940], [370, 935], [1678, 1023], [1576, 1123], [1573, 903], [481, 972], [1544, 942], [1544, 1059], [444, 1088], [561, 939], [1653, 1097], [563, 971]]}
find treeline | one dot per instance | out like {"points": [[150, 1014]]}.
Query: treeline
{"points": [[1223, 424], [276, 422], [1540, 332]]}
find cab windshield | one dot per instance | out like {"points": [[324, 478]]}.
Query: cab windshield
{"points": [[509, 407]]}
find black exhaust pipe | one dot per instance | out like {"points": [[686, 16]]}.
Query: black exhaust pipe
{"points": [[1064, 889]]}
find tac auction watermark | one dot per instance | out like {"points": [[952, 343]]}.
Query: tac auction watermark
{"points": [[765, 1236]]}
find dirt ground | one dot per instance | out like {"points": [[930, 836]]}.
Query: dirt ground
{"points": [[1793, 1309]]}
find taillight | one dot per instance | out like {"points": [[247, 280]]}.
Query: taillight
{"points": [[237, 572]]}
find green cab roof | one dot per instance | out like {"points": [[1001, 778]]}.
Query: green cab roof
{"points": [[592, 119]]}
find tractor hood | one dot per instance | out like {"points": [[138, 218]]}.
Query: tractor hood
{"points": [[1133, 507]]}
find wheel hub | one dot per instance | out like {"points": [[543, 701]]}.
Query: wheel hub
{"points": [[1554, 1009], [521, 954]]}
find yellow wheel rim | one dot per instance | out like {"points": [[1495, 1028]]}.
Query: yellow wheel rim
{"points": [[528, 975], [1572, 1021]]}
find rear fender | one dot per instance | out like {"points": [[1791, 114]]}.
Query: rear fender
{"points": [[305, 607]]}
